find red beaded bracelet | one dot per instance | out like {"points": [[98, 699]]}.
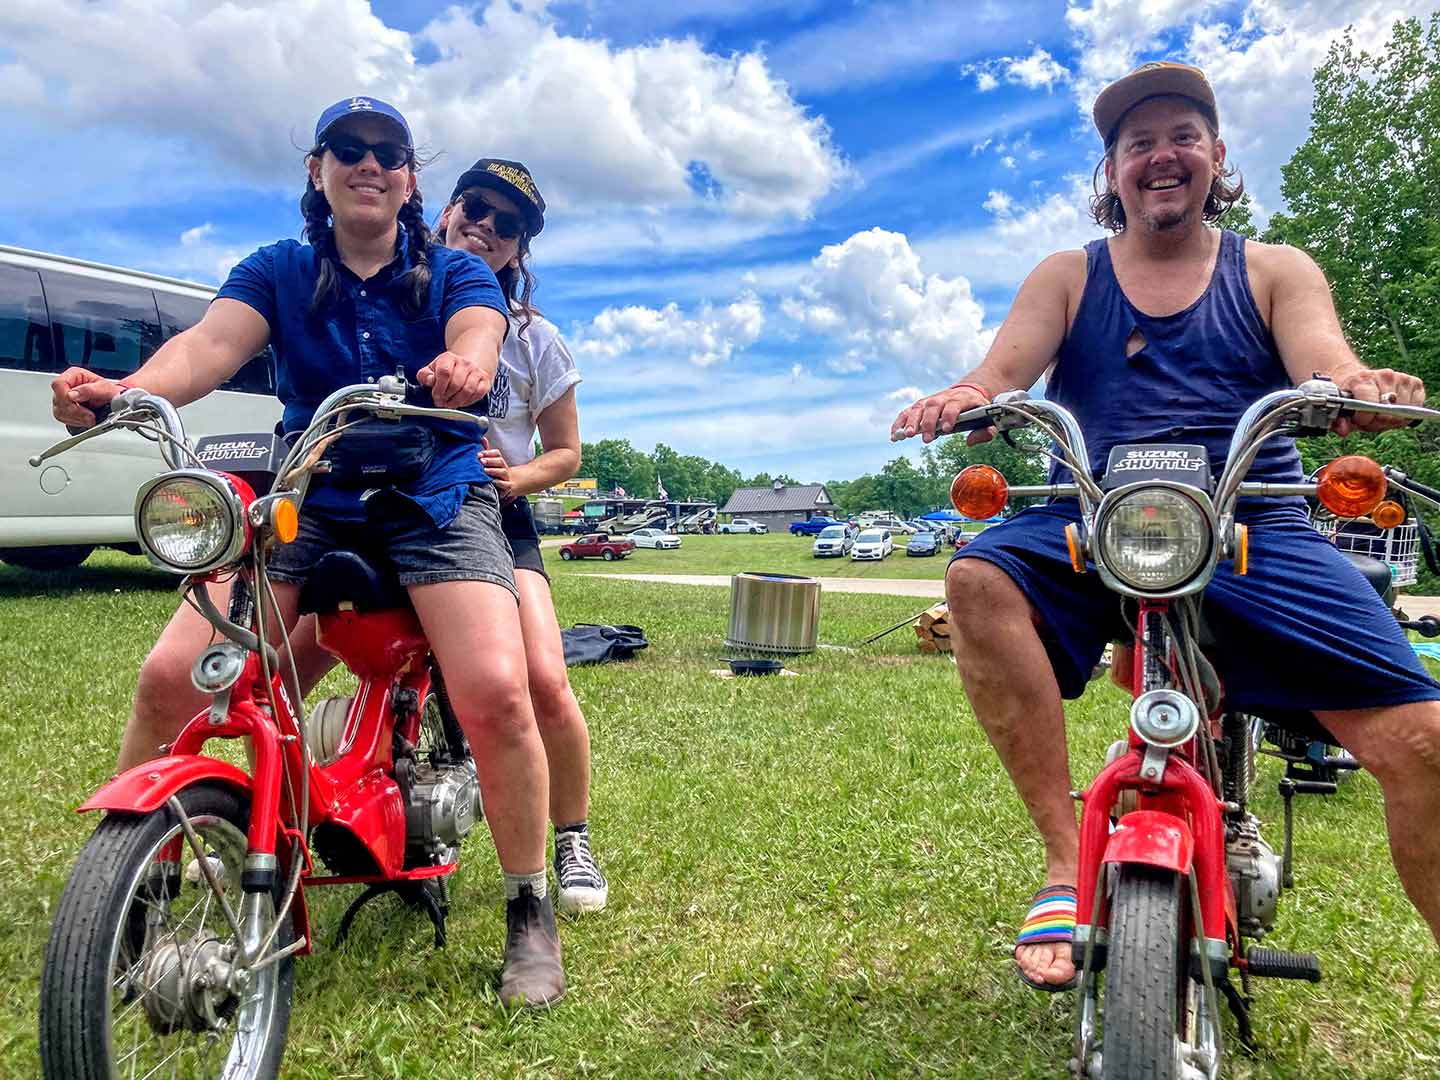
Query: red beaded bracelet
{"points": [[973, 386]]}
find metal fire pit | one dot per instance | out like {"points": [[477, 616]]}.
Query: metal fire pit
{"points": [[774, 613]]}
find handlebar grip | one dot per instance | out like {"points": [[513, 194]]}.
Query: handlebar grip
{"points": [[102, 413], [416, 394]]}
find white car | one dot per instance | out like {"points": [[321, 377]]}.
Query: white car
{"points": [[834, 540], [744, 525], [654, 538], [872, 544]]}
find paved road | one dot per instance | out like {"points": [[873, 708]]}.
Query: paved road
{"points": [[884, 586]]}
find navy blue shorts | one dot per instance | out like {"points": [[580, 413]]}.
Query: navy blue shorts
{"points": [[1302, 631]]}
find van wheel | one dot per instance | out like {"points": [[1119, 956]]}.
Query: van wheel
{"points": [[55, 557]]}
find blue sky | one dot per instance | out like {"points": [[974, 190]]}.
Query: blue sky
{"points": [[772, 224]]}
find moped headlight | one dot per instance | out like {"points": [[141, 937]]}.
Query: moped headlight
{"points": [[1154, 539], [189, 521]]}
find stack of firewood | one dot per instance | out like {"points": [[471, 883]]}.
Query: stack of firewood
{"points": [[933, 629]]}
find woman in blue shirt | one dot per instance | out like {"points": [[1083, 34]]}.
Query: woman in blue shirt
{"points": [[368, 293]]}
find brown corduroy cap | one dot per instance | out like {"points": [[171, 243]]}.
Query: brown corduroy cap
{"points": [[1147, 81]]}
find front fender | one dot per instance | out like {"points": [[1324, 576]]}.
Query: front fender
{"points": [[147, 787], [1152, 838]]}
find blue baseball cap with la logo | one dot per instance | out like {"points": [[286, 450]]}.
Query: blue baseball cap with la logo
{"points": [[361, 106]]}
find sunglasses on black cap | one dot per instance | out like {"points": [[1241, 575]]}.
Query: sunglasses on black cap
{"points": [[508, 225], [349, 150]]}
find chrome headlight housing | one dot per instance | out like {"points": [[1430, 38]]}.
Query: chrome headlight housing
{"points": [[190, 520], [1156, 539]]}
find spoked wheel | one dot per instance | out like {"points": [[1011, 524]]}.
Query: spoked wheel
{"points": [[1153, 1011], [140, 977]]}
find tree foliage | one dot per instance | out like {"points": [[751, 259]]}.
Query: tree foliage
{"points": [[1363, 195]]}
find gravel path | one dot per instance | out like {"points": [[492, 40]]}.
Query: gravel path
{"points": [[884, 586]]}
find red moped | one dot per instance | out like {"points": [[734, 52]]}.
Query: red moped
{"points": [[1175, 879], [172, 946]]}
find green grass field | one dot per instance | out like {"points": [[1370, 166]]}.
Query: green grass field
{"points": [[776, 553], [811, 876]]}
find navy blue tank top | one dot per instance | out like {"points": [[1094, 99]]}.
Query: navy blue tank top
{"points": [[1199, 369]]}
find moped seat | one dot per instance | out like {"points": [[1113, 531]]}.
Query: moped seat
{"points": [[347, 581], [1376, 572]]}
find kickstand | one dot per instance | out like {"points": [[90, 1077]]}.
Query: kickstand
{"points": [[415, 894], [1240, 1007]]}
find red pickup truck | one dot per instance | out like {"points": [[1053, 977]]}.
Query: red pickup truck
{"points": [[597, 544]]}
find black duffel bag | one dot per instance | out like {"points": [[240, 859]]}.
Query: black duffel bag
{"points": [[592, 643]]}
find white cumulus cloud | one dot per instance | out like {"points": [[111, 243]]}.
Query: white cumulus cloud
{"points": [[871, 296], [710, 335], [233, 88]]}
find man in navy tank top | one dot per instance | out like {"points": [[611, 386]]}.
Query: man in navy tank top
{"points": [[1165, 332]]}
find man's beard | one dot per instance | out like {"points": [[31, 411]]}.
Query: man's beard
{"points": [[1167, 220]]}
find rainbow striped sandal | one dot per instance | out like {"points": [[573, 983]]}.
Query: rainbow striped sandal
{"points": [[1051, 920]]}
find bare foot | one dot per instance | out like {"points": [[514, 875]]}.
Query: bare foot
{"points": [[1048, 962]]}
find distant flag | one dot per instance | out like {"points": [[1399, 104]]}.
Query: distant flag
{"points": [[661, 485]]}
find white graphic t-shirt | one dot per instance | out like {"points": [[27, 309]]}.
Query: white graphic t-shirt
{"points": [[535, 370]]}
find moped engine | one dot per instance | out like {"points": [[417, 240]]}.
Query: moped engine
{"points": [[444, 805], [1256, 875]]}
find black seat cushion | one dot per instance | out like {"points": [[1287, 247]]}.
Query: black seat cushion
{"points": [[1376, 572], [346, 580]]}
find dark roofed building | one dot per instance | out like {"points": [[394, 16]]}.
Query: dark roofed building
{"points": [[780, 504]]}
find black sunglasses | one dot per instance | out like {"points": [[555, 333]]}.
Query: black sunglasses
{"points": [[349, 150], [508, 225]]}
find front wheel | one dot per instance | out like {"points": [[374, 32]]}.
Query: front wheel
{"points": [[565, 555], [1148, 1003], [138, 977]]}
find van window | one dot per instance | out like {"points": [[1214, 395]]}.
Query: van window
{"points": [[179, 312], [24, 326], [109, 328]]}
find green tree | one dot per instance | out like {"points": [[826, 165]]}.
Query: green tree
{"points": [[1363, 192]]}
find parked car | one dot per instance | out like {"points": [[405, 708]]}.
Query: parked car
{"points": [[835, 541], [744, 525], [654, 538], [597, 545], [893, 524], [872, 544], [923, 543], [814, 527]]}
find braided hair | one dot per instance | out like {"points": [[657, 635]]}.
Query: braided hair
{"points": [[320, 231]]}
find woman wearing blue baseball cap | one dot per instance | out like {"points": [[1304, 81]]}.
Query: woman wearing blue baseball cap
{"points": [[371, 292]]}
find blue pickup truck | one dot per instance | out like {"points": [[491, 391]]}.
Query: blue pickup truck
{"points": [[813, 527]]}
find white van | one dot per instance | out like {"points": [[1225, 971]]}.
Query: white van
{"points": [[58, 312]]}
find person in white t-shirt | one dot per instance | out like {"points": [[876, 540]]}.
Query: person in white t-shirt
{"points": [[494, 213]]}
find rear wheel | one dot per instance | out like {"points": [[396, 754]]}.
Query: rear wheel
{"points": [[608, 555], [54, 557], [1146, 1011], [139, 975]]}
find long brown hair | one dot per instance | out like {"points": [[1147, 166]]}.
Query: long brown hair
{"points": [[320, 231], [1106, 209]]}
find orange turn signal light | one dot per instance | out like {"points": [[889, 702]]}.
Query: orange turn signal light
{"points": [[1388, 514], [1076, 546], [1351, 486], [285, 520], [979, 492], [1242, 550]]}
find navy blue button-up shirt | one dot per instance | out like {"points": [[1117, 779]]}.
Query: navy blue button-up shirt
{"points": [[364, 333]]}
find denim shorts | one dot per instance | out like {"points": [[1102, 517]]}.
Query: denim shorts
{"points": [[400, 537], [519, 525]]}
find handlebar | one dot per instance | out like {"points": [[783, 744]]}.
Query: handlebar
{"points": [[1308, 409]]}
